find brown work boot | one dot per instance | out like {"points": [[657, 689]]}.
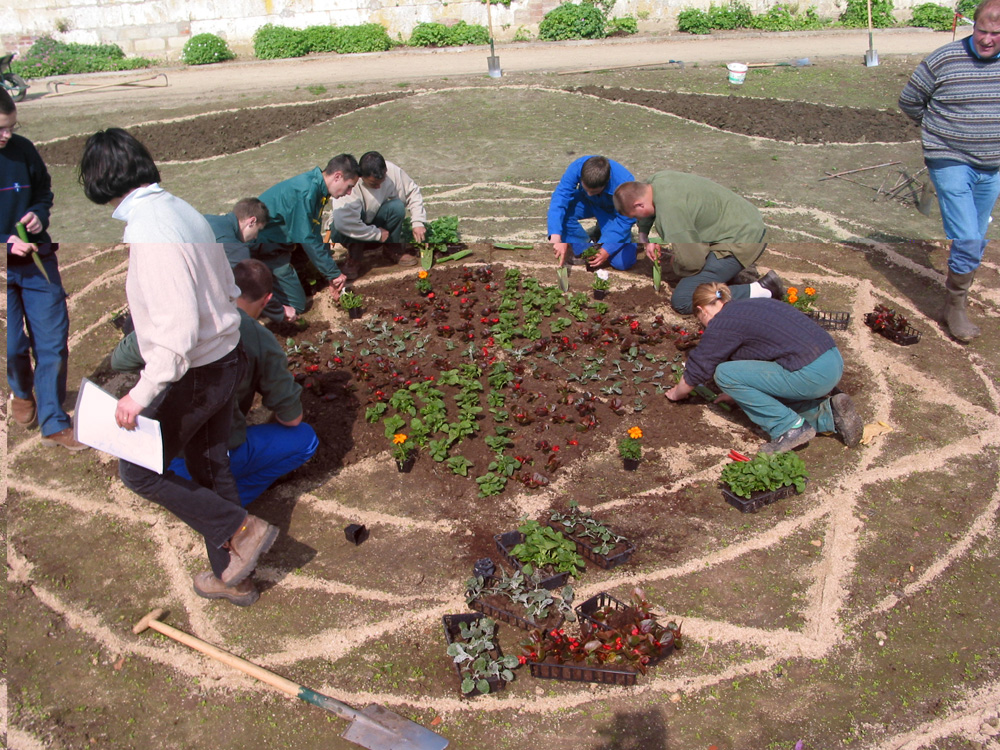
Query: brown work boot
{"points": [[65, 439], [243, 594], [23, 411], [407, 260], [954, 316], [253, 539], [846, 419]]}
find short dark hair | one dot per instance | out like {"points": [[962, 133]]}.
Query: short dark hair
{"points": [[595, 173], [346, 164], [255, 207], [254, 279], [114, 163], [372, 165], [7, 106]]}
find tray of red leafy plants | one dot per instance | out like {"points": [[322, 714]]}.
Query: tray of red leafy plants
{"points": [[595, 541], [476, 655], [536, 547], [632, 624], [519, 600], [749, 485], [892, 325]]}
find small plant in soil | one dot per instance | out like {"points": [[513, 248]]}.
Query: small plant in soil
{"points": [[545, 548], [581, 525], [402, 447], [804, 301], [764, 473], [630, 447], [474, 656], [525, 594], [887, 319], [602, 281], [424, 285], [350, 301]]}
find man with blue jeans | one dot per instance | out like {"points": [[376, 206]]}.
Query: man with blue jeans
{"points": [[954, 95], [586, 191], [258, 454], [37, 318]]}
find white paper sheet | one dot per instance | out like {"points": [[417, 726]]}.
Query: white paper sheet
{"points": [[95, 425]]}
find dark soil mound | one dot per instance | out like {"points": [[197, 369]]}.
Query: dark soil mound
{"points": [[223, 132], [794, 122]]}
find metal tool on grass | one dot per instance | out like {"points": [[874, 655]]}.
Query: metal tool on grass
{"points": [[492, 62], [22, 232], [871, 56], [801, 62], [375, 727], [678, 63]]}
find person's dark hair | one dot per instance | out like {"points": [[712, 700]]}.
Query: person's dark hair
{"points": [[7, 106], [595, 173], [254, 279], [987, 10], [346, 164], [372, 165], [114, 163], [705, 294], [627, 194], [254, 207]]}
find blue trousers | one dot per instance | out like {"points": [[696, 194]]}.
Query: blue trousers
{"points": [[38, 326], [722, 270], [966, 196], [195, 413], [775, 398], [623, 254], [270, 451]]}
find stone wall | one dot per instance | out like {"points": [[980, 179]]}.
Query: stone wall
{"points": [[159, 28]]}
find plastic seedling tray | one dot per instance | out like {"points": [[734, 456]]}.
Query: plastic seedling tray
{"points": [[588, 623], [906, 337], [575, 673], [757, 500], [831, 321], [585, 547], [510, 539], [453, 633], [511, 618]]}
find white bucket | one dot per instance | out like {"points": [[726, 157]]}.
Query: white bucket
{"points": [[737, 73]]}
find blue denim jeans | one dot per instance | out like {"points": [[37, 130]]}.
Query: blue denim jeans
{"points": [[195, 414], [270, 451], [722, 270], [966, 196], [38, 326], [623, 255], [776, 398]]}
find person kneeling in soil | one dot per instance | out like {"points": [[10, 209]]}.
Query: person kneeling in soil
{"points": [[261, 453], [775, 363], [182, 296], [296, 210], [238, 229], [714, 232], [586, 191], [373, 212]]}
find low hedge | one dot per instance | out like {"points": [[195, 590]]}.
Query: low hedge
{"points": [[48, 57], [202, 49]]}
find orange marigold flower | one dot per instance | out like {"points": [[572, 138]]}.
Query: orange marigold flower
{"points": [[421, 274], [791, 290], [810, 291], [635, 433], [398, 439], [792, 299]]}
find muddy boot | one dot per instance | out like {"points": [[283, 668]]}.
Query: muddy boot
{"points": [[955, 318]]}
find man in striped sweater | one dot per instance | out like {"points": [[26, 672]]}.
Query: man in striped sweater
{"points": [[955, 97]]}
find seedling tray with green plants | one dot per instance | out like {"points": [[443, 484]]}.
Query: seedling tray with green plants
{"points": [[750, 485], [533, 546], [519, 600], [595, 541], [476, 655]]}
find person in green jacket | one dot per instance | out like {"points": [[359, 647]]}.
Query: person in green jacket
{"points": [[238, 229], [296, 207], [714, 232]]}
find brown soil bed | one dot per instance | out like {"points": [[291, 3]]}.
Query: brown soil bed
{"points": [[222, 132], [793, 122]]}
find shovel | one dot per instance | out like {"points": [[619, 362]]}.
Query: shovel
{"points": [[563, 273], [802, 62], [375, 727], [871, 56]]}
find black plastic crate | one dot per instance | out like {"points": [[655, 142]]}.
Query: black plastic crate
{"points": [[573, 673], [588, 623], [584, 547], [831, 321], [510, 539], [453, 633], [757, 500], [503, 615], [909, 335]]}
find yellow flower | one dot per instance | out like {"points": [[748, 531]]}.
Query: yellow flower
{"points": [[792, 299], [635, 433], [792, 291], [810, 292], [398, 439], [421, 274]]}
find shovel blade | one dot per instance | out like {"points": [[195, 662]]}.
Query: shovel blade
{"points": [[928, 196], [871, 58], [563, 273], [378, 728]]}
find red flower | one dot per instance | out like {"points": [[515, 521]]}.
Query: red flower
{"points": [[572, 442], [634, 325], [522, 659], [555, 447], [430, 295]]}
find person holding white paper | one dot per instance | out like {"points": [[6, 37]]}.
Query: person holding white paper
{"points": [[181, 294]]}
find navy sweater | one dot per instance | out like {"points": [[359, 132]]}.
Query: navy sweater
{"points": [[25, 186], [766, 330]]}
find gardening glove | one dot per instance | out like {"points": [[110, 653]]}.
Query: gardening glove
{"points": [[873, 431]]}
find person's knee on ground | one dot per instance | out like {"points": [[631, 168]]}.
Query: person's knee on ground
{"points": [[623, 257]]}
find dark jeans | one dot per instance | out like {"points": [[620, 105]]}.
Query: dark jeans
{"points": [[194, 415], [718, 269]]}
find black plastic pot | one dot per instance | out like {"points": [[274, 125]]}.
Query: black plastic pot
{"points": [[405, 466], [354, 313], [630, 464], [356, 533], [600, 293]]}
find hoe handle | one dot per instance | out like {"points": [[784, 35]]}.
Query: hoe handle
{"points": [[276, 681]]}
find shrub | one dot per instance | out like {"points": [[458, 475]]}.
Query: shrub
{"points": [[365, 37], [623, 26], [694, 21], [439, 35], [47, 57], [735, 15], [522, 35], [202, 49], [463, 33], [272, 42], [320, 38], [967, 7], [429, 35], [855, 16], [570, 21], [932, 16]]}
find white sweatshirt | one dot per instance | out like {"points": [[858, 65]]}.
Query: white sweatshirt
{"points": [[352, 215]]}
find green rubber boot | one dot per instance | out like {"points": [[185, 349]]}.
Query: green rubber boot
{"points": [[957, 287]]}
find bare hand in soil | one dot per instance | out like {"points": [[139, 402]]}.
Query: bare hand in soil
{"points": [[560, 249], [679, 392], [290, 315], [337, 286], [600, 259]]}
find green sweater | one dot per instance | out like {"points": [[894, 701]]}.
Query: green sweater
{"points": [[296, 208], [693, 212], [267, 374]]}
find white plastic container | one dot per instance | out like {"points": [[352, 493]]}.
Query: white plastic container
{"points": [[737, 73]]}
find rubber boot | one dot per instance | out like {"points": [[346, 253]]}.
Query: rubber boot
{"points": [[955, 318]]}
